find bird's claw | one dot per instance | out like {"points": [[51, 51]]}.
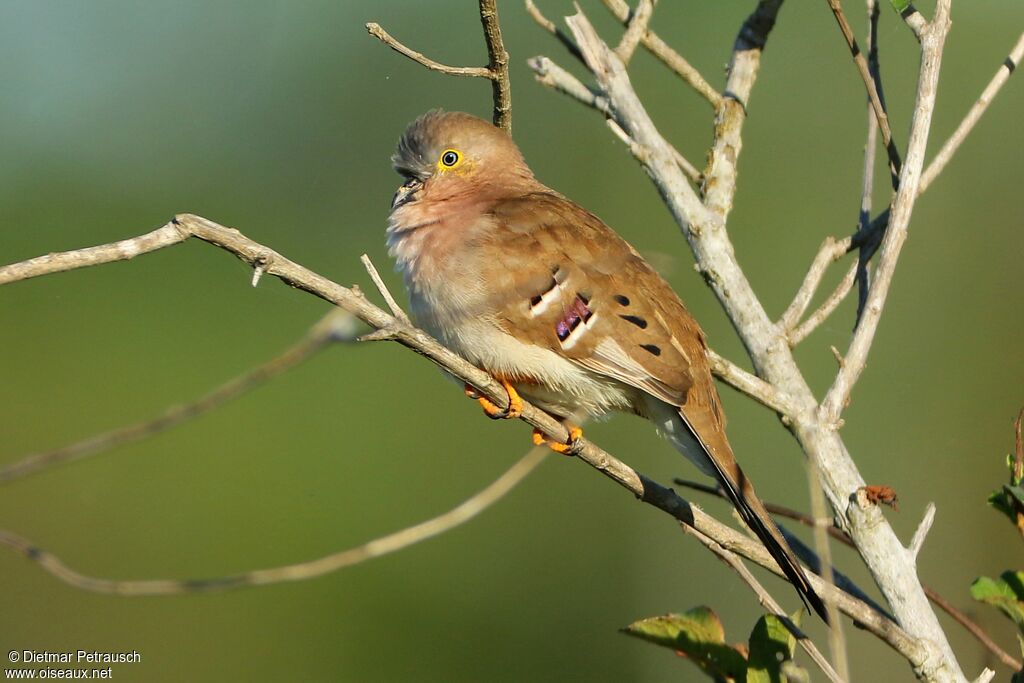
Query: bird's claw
{"points": [[570, 447], [515, 403]]}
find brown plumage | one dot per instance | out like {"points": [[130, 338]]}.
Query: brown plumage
{"points": [[542, 294]]}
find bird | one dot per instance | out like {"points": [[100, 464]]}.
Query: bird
{"points": [[554, 304]]}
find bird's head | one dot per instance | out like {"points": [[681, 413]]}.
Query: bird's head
{"points": [[443, 155]]}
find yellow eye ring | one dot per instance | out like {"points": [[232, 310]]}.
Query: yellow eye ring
{"points": [[450, 158]]}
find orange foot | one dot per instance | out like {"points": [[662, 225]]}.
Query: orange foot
{"points": [[570, 448], [515, 403]]}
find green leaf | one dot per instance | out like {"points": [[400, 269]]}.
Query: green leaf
{"points": [[698, 635], [771, 644], [1006, 594], [900, 5]]}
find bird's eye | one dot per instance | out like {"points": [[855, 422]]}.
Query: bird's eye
{"points": [[450, 158]]}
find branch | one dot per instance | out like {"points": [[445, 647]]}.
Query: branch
{"points": [[902, 207], [750, 385], [828, 306], [636, 29], [914, 20], [302, 571], [974, 115], [830, 251], [648, 491], [383, 36], [895, 165], [496, 70], [669, 57], [550, 27], [769, 603], [335, 326]]}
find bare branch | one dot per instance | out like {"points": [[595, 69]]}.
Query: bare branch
{"points": [[554, 30], [951, 145], [828, 306], [922, 531], [636, 28], [337, 325], [822, 523], [768, 602], [302, 571], [383, 36], [672, 59], [895, 164], [932, 44], [830, 251], [751, 385], [371, 270], [497, 65]]}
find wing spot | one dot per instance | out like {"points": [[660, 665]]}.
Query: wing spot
{"points": [[652, 349], [622, 300], [636, 320]]}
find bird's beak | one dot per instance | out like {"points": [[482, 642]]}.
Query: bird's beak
{"points": [[406, 193]]}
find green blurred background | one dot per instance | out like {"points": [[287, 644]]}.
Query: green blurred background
{"points": [[278, 118]]}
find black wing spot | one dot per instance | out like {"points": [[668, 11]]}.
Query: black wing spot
{"points": [[636, 320], [584, 297], [651, 349], [535, 300], [623, 300]]}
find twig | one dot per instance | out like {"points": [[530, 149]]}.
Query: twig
{"points": [[769, 603], [555, 77], [932, 45], [335, 326], [497, 65], [951, 145], [828, 306], [554, 30], [836, 636], [838, 534], [922, 531], [301, 571], [383, 36], [669, 57], [895, 164], [396, 310], [496, 70], [830, 251], [751, 385], [863, 273], [636, 29]]}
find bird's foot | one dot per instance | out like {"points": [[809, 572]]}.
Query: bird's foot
{"points": [[515, 403], [570, 447]]}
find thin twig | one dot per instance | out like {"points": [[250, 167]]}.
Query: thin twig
{"points": [[554, 30], [836, 635], [301, 571], [497, 65], [383, 36], [951, 145], [769, 603], [396, 310], [828, 306], [669, 57], [839, 535], [901, 209], [496, 70], [895, 164], [337, 325], [864, 254], [830, 251], [750, 385], [922, 530], [636, 29], [550, 74]]}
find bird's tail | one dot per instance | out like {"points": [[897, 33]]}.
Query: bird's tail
{"points": [[720, 462]]}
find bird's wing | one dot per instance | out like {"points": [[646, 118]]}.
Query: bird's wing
{"points": [[565, 281], [568, 283]]}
